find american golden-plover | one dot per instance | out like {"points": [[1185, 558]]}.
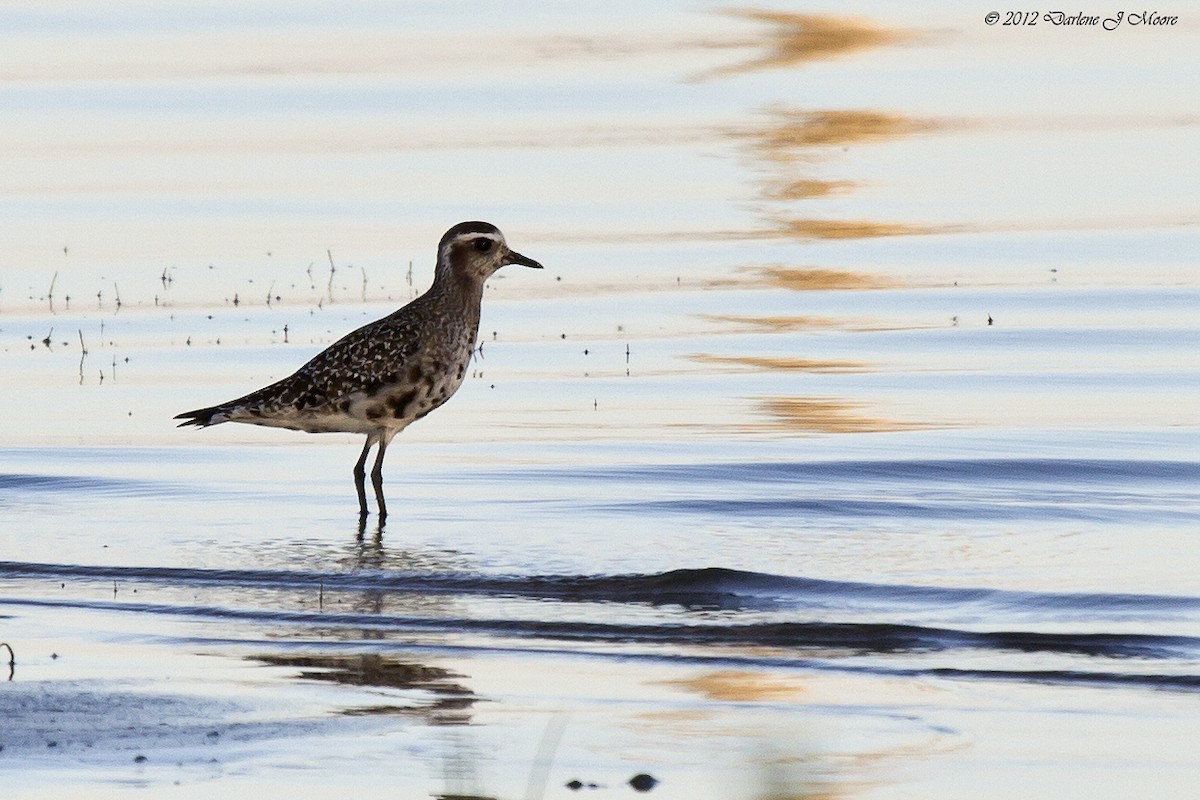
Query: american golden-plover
{"points": [[385, 375]]}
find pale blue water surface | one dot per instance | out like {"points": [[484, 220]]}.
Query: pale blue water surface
{"points": [[847, 446]]}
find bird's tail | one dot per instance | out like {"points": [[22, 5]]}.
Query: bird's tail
{"points": [[203, 417]]}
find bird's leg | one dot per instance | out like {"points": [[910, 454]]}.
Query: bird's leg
{"points": [[377, 475], [360, 474]]}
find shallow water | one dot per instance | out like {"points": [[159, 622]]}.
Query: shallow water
{"points": [[847, 446]]}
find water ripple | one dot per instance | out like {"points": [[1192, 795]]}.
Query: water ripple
{"points": [[699, 588]]}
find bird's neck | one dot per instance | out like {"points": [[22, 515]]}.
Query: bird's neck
{"points": [[457, 299], [466, 291]]}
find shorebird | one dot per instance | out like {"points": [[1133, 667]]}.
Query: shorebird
{"points": [[382, 377]]}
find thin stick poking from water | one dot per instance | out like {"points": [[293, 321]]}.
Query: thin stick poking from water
{"points": [[50, 292], [12, 659], [83, 352], [332, 269]]}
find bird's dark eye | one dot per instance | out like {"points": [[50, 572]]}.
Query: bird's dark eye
{"points": [[483, 244]]}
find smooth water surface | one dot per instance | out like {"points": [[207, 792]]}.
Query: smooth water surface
{"points": [[847, 446]]}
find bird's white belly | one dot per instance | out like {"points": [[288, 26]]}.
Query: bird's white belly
{"points": [[391, 408]]}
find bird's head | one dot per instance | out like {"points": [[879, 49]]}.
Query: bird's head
{"points": [[474, 250]]}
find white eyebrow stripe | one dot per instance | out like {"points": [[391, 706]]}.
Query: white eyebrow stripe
{"points": [[470, 237]]}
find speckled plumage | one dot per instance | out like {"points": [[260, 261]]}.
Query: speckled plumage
{"points": [[380, 378]]}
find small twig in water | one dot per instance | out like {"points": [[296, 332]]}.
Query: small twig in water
{"points": [[12, 659], [332, 269], [83, 352], [50, 292]]}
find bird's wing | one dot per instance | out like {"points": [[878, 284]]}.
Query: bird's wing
{"points": [[359, 362]]}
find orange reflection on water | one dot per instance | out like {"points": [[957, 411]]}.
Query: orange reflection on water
{"points": [[828, 415], [847, 228], [782, 364], [793, 40], [802, 278], [786, 324], [808, 188], [808, 279], [792, 130], [777, 324], [734, 685], [792, 138]]}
